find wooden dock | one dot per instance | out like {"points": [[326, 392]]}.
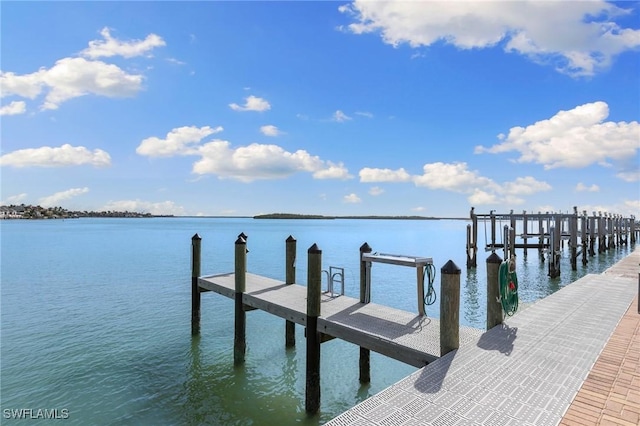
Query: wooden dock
{"points": [[398, 334]]}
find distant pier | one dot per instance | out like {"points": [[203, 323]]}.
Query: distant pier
{"points": [[547, 232]]}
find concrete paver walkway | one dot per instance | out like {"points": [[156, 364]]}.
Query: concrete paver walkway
{"points": [[529, 370]]}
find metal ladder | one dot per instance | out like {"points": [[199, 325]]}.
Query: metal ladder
{"points": [[334, 275]]}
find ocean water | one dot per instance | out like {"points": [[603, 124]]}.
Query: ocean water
{"points": [[95, 317]]}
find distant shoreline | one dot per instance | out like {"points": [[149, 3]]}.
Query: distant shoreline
{"points": [[314, 217]]}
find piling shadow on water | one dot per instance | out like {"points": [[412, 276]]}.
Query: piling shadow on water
{"points": [[499, 338]]}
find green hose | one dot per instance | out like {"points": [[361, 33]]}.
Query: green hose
{"points": [[508, 287], [430, 273]]}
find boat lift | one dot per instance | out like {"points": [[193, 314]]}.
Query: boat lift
{"points": [[420, 263]]}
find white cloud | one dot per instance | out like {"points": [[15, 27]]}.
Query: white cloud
{"points": [[158, 208], [270, 130], [368, 174], [14, 199], [332, 171], [418, 209], [456, 177], [580, 187], [14, 108], [176, 61], [252, 103], [630, 175], [260, 161], [375, 191], [179, 141], [364, 114], [340, 117], [246, 163], [71, 78], [452, 177], [65, 155], [578, 38], [351, 199], [575, 138], [54, 200], [113, 47]]}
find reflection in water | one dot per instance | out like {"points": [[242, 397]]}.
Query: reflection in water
{"points": [[471, 302]]}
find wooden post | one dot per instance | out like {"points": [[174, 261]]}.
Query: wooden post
{"points": [[420, 286], [601, 234], [314, 283], [239, 340], [592, 235], [469, 248], [554, 248], [472, 240], [365, 296], [493, 230], [195, 289], [541, 237], [525, 231], [494, 307], [290, 278], [584, 238], [573, 238], [449, 308]]}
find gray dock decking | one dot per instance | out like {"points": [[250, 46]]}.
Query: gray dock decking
{"points": [[395, 333], [524, 372]]}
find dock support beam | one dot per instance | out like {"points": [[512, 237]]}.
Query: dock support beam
{"points": [[239, 339], [290, 278], [365, 295], [195, 290], [494, 307], [449, 308], [314, 283]]}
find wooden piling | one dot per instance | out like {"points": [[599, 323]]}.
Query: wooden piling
{"points": [[314, 283], [290, 278], [554, 251], [239, 340], [365, 296], [541, 229], [493, 229], [195, 290], [573, 239], [449, 308], [494, 307], [525, 231], [472, 240]]}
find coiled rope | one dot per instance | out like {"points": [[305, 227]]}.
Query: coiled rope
{"points": [[430, 273], [508, 286]]}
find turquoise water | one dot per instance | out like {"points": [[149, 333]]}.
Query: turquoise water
{"points": [[95, 316]]}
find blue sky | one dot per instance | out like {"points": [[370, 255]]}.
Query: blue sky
{"points": [[338, 108]]}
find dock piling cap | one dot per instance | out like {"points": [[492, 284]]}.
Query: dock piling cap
{"points": [[240, 240], [314, 249], [494, 258], [196, 237], [450, 268]]}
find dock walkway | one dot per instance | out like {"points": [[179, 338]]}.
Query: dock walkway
{"points": [[398, 334], [525, 372]]}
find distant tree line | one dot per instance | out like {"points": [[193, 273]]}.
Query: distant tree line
{"points": [[23, 211]]}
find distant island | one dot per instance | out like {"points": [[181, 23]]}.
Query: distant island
{"points": [[315, 216], [38, 212]]}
